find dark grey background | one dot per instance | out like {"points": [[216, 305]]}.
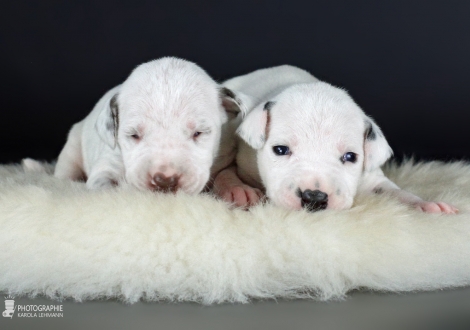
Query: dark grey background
{"points": [[405, 62]]}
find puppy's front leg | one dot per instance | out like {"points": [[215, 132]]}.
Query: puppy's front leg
{"points": [[230, 188], [104, 175], [377, 182], [70, 162], [101, 180]]}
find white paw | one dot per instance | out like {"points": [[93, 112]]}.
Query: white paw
{"points": [[33, 166], [436, 207], [99, 183]]}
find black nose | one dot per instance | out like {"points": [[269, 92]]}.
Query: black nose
{"points": [[314, 200]]}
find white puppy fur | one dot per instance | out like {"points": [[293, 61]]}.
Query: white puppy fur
{"points": [[308, 145], [159, 130]]}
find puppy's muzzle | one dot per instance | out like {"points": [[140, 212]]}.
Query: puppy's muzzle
{"points": [[313, 201], [164, 183]]}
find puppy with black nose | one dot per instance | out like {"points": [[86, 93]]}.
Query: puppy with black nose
{"points": [[308, 145], [159, 130]]}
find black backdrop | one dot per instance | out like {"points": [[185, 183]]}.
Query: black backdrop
{"points": [[407, 63]]}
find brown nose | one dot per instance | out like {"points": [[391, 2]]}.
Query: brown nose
{"points": [[166, 183]]}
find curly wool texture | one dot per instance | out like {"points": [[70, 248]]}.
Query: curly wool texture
{"points": [[59, 239]]}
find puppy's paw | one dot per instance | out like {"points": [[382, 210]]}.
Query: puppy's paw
{"points": [[33, 166], [101, 183], [241, 195], [436, 207]]}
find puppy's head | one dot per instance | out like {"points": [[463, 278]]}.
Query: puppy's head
{"points": [[166, 119], [313, 143]]}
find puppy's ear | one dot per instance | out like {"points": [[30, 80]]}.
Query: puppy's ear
{"points": [[254, 128], [107, 123], [376, 148], [235, 102]]}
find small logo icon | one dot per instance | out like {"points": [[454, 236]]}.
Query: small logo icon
{"points": [[9, 307]]}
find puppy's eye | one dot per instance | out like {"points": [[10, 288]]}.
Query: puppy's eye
{"points": [[196, 134], [135, 137], [281, 150], [349, 157]]}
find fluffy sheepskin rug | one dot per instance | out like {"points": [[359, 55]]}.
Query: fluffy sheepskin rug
{"points": [[63, 241]]}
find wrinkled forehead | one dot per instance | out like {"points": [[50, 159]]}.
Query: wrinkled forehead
{"points": [[318, 114], [174, 93]]}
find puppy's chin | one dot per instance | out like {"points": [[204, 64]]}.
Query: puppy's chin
{"points": [[190, 184], [193, 180], [340, 204], [193, 184]]}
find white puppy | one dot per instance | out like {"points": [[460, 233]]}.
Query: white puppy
{"points": [[308, 145], [159, 130]]}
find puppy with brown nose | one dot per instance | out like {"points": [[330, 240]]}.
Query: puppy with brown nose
{"points": [[161, 130], [308, 145]]}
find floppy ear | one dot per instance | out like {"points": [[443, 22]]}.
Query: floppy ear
{"points": [[107, 123], [254, 128], [376, 148], [235, 102]]}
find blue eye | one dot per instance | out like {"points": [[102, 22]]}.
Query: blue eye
{"points": [[281, 150], [349, 157]]}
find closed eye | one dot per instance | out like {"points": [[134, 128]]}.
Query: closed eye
{"points": [[134, 132], [135, 136], [198, 134]]}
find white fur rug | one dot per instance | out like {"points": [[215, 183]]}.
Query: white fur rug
{"points": [[60, 240]]}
